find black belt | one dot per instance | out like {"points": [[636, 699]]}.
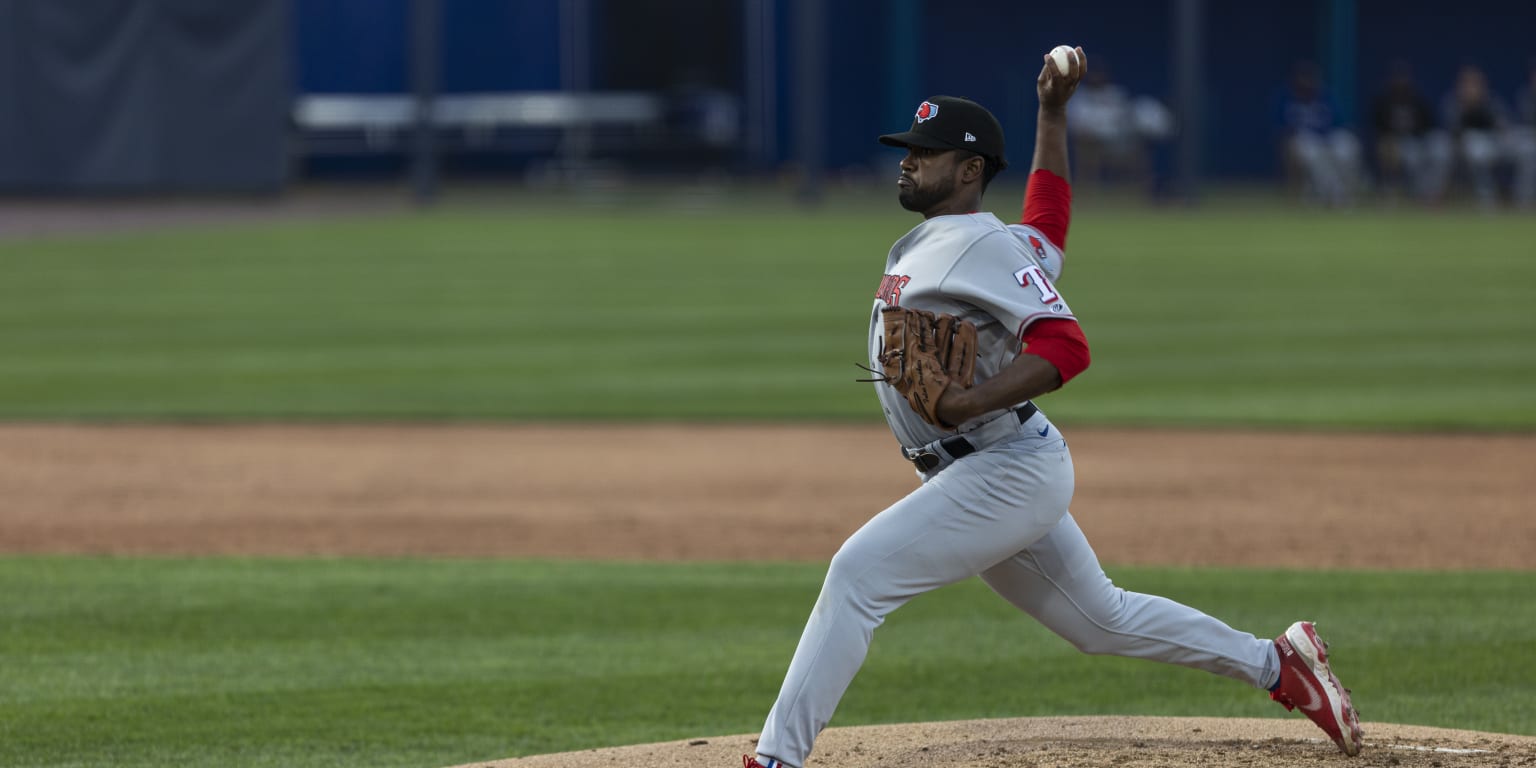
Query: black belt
{"points": [[958, 445]]}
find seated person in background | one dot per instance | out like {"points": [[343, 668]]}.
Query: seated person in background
{"points": [[1114, 134], [1481, 126], [1326, 153], [1412, 152], [1523, 140]]}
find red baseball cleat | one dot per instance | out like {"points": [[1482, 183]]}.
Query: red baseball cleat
{"points": [[748, 761], [1306, 681]]}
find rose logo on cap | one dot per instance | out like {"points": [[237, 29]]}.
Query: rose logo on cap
{"points": [[927, 111]]}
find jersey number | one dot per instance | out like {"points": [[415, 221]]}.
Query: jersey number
{"points": [[1033, 275]]}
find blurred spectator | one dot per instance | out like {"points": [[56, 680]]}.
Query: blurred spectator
{"points": [[1482, 128], [1114, 135], [1523, 140], [1412, 152], [1323, 152]]}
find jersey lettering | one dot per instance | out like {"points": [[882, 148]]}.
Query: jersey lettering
{"points": [[890, 289], [1033, 275]]}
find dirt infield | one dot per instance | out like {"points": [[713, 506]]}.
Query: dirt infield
{"points": [[1154, 497], [1164, 497]]}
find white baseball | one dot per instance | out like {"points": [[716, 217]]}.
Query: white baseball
{"points": [[1063, 55]]}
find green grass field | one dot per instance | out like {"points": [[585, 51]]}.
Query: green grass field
{"points": [[1228, 315], [431, 663]]}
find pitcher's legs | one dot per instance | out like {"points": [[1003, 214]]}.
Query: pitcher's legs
{"points": [[1058, 581], [947, 530]]}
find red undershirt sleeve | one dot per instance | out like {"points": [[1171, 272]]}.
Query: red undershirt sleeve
{"points": [[1048, 206], [1061, 342]]}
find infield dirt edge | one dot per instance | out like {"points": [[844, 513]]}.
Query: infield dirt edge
{"points": [[1086, 741]]}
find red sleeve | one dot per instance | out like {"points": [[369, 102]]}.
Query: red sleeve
{"points": [[1048, 206], [1061, 342]]}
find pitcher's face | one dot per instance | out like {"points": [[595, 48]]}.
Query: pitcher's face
{"points": [[928, 178]]}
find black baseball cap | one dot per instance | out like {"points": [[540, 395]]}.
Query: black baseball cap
{"points": [[950, 122]]}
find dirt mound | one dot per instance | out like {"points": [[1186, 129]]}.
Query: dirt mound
{"points": [[1107, 742]]}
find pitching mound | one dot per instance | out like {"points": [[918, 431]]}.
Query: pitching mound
{"points": [[1118, 742]]}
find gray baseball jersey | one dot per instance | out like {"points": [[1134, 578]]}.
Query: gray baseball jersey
{"points": [[1000, 277]]}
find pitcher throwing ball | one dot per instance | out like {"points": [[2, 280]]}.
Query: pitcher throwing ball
{"points": [[968, 326]]}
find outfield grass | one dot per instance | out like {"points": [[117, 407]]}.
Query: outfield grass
{"points": [[1229, 314], [150, 662], [526, 310]]}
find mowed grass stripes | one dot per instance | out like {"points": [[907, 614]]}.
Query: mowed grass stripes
{"points": [[529, 310], [1309, 318], [152, 662]]}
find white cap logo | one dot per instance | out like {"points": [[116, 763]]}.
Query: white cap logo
{"points": [[969, 137]]}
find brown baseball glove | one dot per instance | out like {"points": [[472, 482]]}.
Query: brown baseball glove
{"points": [[922, 354]]}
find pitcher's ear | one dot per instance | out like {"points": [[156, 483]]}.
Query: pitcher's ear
{"points": [[975, 168]]}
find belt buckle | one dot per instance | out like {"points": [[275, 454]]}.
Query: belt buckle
{"points": [[925, 461]]}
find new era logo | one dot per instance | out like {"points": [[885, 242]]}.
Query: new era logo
{"points": [[969, 137]]}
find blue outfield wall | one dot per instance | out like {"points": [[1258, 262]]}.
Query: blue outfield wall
{"points": [[363, 46], [884, 56]]}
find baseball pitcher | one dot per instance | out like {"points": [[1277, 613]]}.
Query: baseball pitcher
{"points": [[967, 327]]}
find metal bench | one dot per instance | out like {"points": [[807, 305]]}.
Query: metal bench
{"points": [[568, 124]]}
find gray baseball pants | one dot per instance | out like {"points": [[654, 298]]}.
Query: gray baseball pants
{"points": [[1000, 513]]}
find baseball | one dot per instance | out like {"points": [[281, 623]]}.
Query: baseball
{"points": [[1063, 55]]}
